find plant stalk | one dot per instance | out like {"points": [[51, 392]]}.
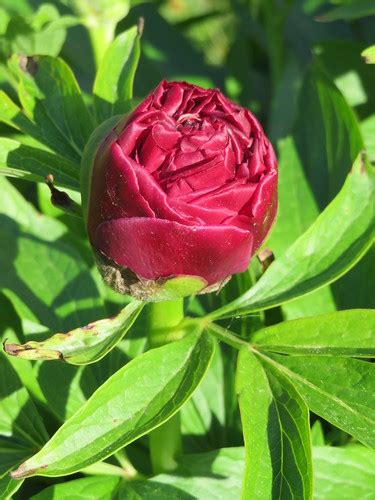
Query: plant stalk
{"points": [[165, 441]]}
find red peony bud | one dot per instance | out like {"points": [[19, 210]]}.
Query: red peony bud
{"points": [[186, 185]]}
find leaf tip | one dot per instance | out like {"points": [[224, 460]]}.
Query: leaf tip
{"points": [[23, 471], [28, 64], [141, 25]]}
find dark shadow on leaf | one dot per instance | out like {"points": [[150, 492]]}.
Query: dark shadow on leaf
{"points": [[38, 268]]}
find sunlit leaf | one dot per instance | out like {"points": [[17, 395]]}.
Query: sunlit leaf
{"points": [[338, 238], [83, 345], [113, 87], [344, 333], [275, 423], [119, 412]]}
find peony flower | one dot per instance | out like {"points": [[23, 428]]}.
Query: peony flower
{"points": [[184, 186]]}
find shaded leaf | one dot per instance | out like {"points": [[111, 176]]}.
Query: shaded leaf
{"points": [[22, 432], [48, 285], [326, 134], [297, 211], [349, 10], [276, 431]]}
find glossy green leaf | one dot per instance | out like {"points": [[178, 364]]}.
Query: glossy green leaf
{"points": [[344, 333], [276, 430], [328, 249], [51, 98], [344, 473], [113, 87], [369, 54], [350, 10], [32, 164], [83, 345], [215, 474], [340, 390], [119, 412], [328, 153]]}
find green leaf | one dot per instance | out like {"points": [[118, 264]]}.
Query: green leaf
{"points": [[344, 473], [203, 417], [368, 132], [337, 389], [48, 285], [19, 419], [344, 333], [213, 475], [317, 434], [297, 211], [326, 155], [275, 423], [43, 32], [354, 9], [8, 486], [83, 345], [369, 54], [216, 474], [22, 432], [328, 249], [113, 87], [297, 207], [87, 488], [12, 115], [32, 164], [119, 412], [52, 99]]}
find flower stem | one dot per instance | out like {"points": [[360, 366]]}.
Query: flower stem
{"points": [[101, 35], [165, 441]]}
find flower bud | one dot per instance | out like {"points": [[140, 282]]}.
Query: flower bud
{"points": [[186, 186]]}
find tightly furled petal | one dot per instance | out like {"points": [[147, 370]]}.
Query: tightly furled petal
{"points": [[187, 185]]}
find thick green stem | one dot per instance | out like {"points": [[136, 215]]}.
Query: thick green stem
{"points": [[101, 35], [165, 441]]}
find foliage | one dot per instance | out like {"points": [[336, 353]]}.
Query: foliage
{"points": [[270, 382]]}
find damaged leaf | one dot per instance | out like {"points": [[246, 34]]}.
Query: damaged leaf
{"points": [[83, 345]]}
